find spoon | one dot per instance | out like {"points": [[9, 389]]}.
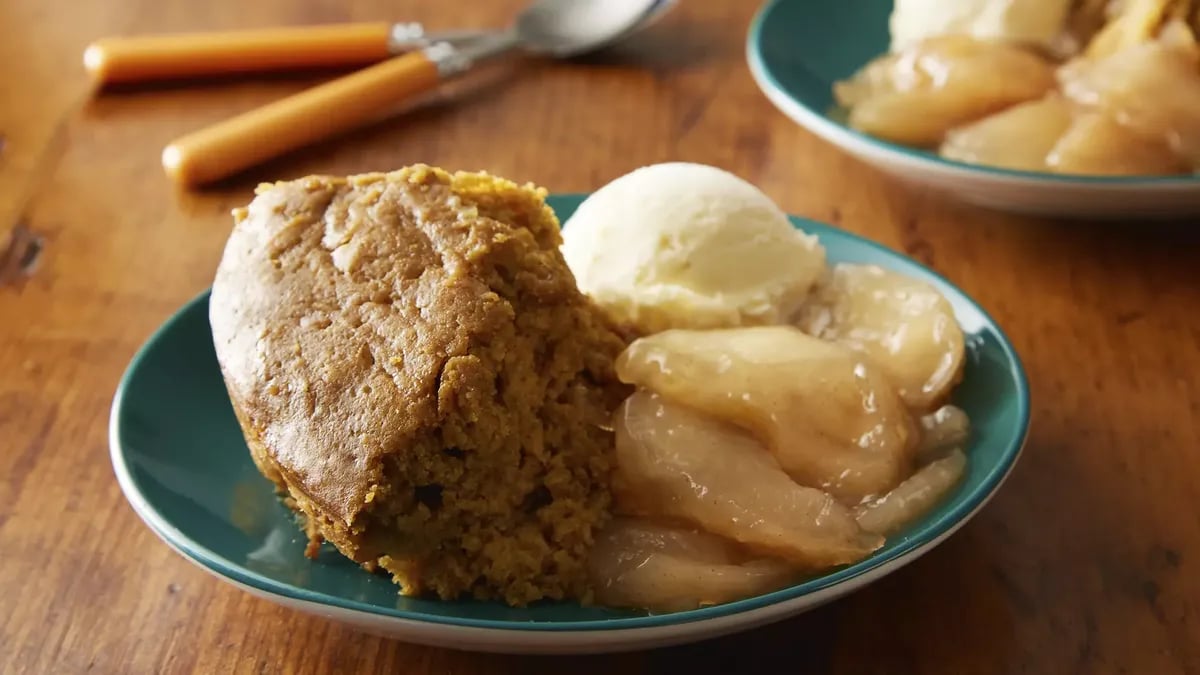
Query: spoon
{"points": [[174, 56], [552, 28]]}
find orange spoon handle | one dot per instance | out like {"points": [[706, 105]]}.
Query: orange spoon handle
{"points": [[158, 57], [315, 114]]}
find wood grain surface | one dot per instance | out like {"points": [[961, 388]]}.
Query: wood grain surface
{"points": [[1086, 562]]}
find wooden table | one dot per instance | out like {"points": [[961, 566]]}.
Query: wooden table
{"points": [[1084, 563]]}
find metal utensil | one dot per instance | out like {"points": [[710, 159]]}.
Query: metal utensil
{"points": [[144, 58], [554, 28]]}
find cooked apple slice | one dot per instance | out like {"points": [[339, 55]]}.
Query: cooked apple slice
{"points": [[914, 497], [1134, 23], [1095, 144], [1018, 138], [918, 94], [1151, 89], [831, 417], [903, 324], [640, 563], [677, 463], [941, 430]]}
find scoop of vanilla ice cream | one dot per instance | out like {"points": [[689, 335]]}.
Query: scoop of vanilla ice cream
{"points": [[680, 245]]}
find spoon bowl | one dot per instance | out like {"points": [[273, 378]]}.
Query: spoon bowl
{"points": [[564, 28]]}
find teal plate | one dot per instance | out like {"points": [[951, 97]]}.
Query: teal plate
{"points": [[182, 463], [798, 49]]}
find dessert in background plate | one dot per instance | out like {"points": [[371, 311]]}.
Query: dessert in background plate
{"points": [[1088, 88]]}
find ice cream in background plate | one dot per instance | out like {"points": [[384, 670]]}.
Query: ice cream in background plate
{"points": [[1033, 22], [681, 245]]}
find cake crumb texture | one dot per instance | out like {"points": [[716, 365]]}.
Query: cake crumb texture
{"points": [[411, 361]]}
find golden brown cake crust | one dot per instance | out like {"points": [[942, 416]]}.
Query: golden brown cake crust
{"points": [[409, 357]]}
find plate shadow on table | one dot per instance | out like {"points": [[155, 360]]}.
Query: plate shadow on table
{"points": [[1130, 246]]}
